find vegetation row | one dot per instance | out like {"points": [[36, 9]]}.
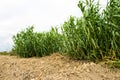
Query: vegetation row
{"points": [[93, 36]]}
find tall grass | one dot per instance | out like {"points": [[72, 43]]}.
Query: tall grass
{"points": [[94, 36], [28, 43]]}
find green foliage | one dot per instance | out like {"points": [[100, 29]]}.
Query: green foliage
{"points": [[113, 64], [28, 43], [11, 53], [4, 53], [94, 36]]}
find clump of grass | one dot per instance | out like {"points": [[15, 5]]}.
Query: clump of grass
{"points": [[11, 53], [28, 43], [4, 53], [96, 35], [113, 64], [116, 64]]}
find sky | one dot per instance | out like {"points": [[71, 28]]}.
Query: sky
{"points": [[16, 15]]}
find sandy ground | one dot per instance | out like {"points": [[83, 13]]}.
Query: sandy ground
{"points": [[54, 67]]}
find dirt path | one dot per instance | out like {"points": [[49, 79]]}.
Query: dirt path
{"points": [[54, 67]]}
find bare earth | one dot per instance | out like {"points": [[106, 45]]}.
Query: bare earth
{"points": [[54, 67]]}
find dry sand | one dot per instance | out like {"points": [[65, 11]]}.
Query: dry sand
{"points": [[54, 67]]}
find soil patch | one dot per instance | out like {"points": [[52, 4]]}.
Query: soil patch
{"points": [[54, 67]]}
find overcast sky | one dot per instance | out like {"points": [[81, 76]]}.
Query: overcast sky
{"points": [[16, 15]]}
